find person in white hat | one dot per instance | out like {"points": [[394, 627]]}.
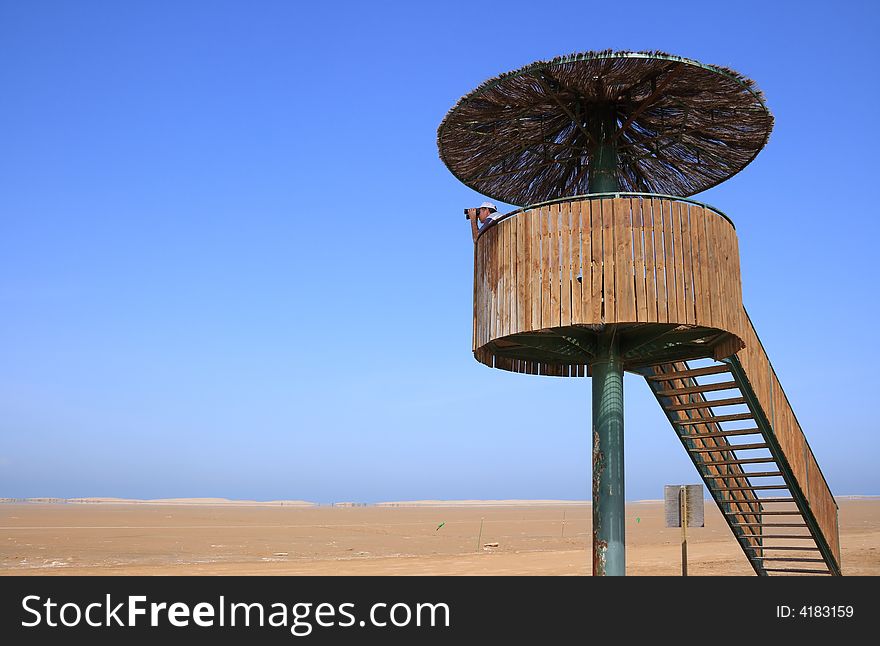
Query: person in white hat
{"points": [[482, 217]]}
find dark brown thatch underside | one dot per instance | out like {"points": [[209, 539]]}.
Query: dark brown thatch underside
{"points": [[525, 136]]}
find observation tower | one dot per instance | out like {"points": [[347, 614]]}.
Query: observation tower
{"points": [[609, 267]]}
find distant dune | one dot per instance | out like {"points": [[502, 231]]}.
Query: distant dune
{"points": [[167, 501], [481, 503]]}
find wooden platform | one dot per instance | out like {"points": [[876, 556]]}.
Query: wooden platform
{"points": [[664, 270]]}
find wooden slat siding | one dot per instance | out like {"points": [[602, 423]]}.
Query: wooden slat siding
{"points": [[659, 262], [596, 259], [715, 270], [735, 278], [639, 258], [577, 264], [771, 397], [650, 278], [504, 295], [545, 267], [554, 265], [565, 264], [500, 292], [485, 300], [523, 242], [678, 244], [478, 269], [696, 277], [823, 506], [526, 271], [680, 211], [609, 307], [701, 283], [662, 209], [669, 258], [624, 275], [724, 242], [535, 270], [687, 261], [731, 319], [512, 325], [491, 268]]}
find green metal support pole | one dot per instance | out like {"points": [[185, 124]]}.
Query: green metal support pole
{"points": [[609, 543], [603, 163]]}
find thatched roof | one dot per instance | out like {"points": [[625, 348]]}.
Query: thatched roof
{"points": [[525, 136]]}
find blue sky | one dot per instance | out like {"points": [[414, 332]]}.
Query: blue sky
{"points": [[232, 264]]}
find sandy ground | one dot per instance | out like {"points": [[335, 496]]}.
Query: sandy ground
{"points": [[215, 538]]}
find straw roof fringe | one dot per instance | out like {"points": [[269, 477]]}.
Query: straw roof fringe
{"points": [[526, 136]]}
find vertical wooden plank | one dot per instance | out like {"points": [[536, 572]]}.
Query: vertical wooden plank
{"points": [[668, 242], [678, 263], [718, 243], [505, 277], [722, 271], [726, 274], [739, 322], [737, 286], [734, 297], [537, 267], [498, 292], [514, 277], [639, 258], [554, 264], [486, 239], [483, 300], [545, 267], [597, 307], [687, 260], [577, 264], [650, 278], [660, 260], [714, 287], [608, 249], [623, 261], [475, 338], [565, 264], [698, 244], [522, 276]]}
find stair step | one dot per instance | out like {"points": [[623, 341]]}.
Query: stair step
{"points": [[790, 548], [789, 559], [690, 390], [745, 475], [763, 474], [767, 524], [734, 433], [767, 569], [798, 536], [708, 403], [776, 500], [684, 374], [730, 447], [715, 419], [755, 488], [742, 461], [772, 513]]}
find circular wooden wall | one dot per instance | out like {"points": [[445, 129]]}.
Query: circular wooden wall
{"points": [[664, 271]]}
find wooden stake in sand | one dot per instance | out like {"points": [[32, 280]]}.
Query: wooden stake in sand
{"points": [[480, 535]]}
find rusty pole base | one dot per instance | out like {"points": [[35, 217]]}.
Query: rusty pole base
{"points": [[609, 544]]}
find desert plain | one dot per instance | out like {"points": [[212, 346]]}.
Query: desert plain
{"points": [[220, 537]]}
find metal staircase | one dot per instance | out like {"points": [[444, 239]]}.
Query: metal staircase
{"points": [[732, 443]]}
